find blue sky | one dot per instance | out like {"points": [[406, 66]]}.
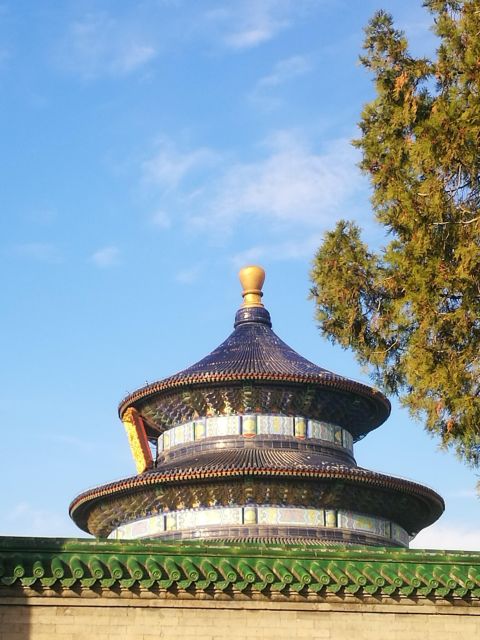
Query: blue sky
{"points": [[149, 149]]}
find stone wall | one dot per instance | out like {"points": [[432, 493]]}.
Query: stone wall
{"points": [[70, 589], [41, 618]]}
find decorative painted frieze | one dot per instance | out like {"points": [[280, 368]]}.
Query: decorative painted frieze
{"points": [[251, 425], [224, 517]]}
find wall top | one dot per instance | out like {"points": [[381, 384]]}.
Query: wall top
{"points": [[165, 569]]}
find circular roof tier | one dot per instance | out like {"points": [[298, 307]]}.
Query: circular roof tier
{"points": [[235, 477], [254, 370]]}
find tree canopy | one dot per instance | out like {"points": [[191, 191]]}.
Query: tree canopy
{"points": [[411, 311]]}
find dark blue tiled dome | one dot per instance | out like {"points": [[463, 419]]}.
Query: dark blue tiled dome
{"points": [[254, 347], [253, 353]]}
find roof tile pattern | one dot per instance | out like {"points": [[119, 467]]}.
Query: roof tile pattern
{"points": [[255, 348], [254, 352], [264, 464], [163, 569]]}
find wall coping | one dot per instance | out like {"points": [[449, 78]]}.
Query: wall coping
{"points": [[36, 567]]}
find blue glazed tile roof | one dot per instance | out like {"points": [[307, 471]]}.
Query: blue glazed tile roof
{"points": [[254, 348], [253, 352]]}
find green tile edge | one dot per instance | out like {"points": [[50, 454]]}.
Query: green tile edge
{"points": [[58, 564]]}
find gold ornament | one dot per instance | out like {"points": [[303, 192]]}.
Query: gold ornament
{"points": [[137, 439], [252, 279]]}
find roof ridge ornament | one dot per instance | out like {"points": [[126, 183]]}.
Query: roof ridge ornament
{"points": [[252, 278]]}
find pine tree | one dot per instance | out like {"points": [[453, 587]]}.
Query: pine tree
{"points": [[411, 312]]}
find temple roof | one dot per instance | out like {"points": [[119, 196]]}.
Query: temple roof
{"points": [[253, 348], [253, 352], [414, 506]]}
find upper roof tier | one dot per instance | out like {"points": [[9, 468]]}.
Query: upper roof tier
{"points": [[278, 379]]}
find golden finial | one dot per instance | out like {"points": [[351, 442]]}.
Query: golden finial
{"points": [[252, 279]]}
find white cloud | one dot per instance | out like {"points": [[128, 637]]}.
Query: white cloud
{"points": [[293, 185], [249, 23], [264, 93], [38, 251], [286, 70], [105, 257], [251, 37], [189, 275], [279, 251], [289, 187], [168, 166], [99, 44], [161, 219], [440, 536]]}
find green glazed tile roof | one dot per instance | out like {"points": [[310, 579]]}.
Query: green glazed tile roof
{"points": [[45, 564]]}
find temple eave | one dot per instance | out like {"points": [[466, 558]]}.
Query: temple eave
{"points": [[413, 505]]}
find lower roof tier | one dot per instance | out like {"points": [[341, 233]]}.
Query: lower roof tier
{"points": [[260, 478]]}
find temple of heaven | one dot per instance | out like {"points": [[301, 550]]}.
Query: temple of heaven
{"points": [[255, 443]]}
